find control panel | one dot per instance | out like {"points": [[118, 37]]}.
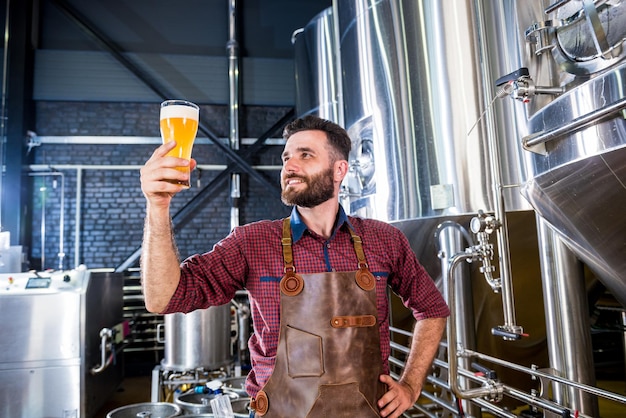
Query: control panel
{"points": [[42, 282]]}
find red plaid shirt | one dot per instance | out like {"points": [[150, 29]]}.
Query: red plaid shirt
{"points": [[251, 258]]}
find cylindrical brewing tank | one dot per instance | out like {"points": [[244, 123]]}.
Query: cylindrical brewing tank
{"points": [[577, 143], [199, 339], [415, 82], [317, 77]]}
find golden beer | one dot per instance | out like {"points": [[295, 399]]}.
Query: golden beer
{"points": [[179, 122]]}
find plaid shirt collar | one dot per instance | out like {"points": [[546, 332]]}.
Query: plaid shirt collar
{"points": [[298, 226]]}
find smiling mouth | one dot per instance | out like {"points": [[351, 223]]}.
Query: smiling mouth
{"points": [[293, 181]]}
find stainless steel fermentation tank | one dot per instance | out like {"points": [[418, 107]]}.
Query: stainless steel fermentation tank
{"points": [[50, 351], [577, 140], [413, 89], [435, 142], [318, 84]]}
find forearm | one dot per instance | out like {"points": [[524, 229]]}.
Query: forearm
{"points": [[160, 271], [424, 345]]}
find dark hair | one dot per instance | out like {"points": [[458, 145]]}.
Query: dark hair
{"points": [[337, 136]]}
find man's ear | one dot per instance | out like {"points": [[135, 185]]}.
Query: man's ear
{"points": [[340, 170]]}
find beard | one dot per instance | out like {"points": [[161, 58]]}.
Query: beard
{"points": [[319, 189]]}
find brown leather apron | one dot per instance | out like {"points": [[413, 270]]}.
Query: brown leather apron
{"points": [[328, 360]]}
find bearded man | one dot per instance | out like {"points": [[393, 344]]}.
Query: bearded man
{"points": [[317, 284]]}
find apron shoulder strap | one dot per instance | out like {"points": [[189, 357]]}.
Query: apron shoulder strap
{"points": [[286, 241], [358, 248], [364, 277]]}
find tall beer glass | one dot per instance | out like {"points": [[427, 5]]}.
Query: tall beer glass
{"points": [[179, 122]]}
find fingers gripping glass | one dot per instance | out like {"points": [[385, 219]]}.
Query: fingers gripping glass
{"points": [[179, 122]]}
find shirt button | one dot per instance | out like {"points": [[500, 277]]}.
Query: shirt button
{"points": [[328, 245]]}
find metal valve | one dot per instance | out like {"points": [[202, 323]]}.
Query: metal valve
{"points": [[483, 225], [521, 86]]}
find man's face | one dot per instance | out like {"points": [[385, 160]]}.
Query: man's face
{"points": [[307, 175]]}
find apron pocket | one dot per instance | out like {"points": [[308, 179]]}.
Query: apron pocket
{"points": [[341, 401], [304, 353]]}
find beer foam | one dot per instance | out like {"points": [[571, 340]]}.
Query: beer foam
{"points": [[179, 111]]}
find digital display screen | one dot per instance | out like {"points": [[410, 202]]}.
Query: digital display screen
{"points": [[38, 283]]}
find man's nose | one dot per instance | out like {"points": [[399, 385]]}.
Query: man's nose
{"points": [[289, 166]]}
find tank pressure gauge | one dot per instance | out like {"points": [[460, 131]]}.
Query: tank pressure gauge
{"points": [[483, 223]]}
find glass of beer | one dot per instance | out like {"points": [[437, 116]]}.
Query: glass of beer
{"points": [[179, 122]]}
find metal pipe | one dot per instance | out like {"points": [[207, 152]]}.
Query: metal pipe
{"points": [[235, 195], [61, 254], [449, 239], [43, 227], [233, 75], [451, 224], [425, 412], [138, 140], [538, 402], [233, 82], [113, 167], [537, 373], [623, 316], [502, 235], [3, 105], [105, 335], [77, 216], [490, 388], [578, 123]]}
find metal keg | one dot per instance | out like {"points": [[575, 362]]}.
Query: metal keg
{"points": [[200, 403], [199, 339], [237, 415], [147, 410]]}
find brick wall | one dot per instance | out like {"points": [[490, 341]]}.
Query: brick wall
{"points": [[111, 205]]}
